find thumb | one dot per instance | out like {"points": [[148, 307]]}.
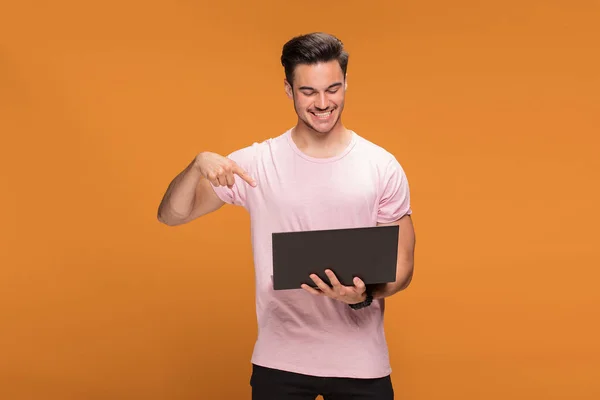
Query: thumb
{"points": [[359, 284]]}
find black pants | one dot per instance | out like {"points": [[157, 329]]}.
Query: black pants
{"points": [[273, 384]]}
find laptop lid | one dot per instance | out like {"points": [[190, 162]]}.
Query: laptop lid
{"points": [[371, 253]]}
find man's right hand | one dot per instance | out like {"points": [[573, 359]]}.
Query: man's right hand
{"points": [[220, 170]]}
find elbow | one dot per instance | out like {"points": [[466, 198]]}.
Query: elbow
{"points": [[167, 220], [170, 222], [162, 219], [405, 280]]}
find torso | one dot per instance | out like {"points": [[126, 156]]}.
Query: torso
{"points": [[298, 331]]}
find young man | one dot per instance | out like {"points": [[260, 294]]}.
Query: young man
{"points": [[316, 175]]}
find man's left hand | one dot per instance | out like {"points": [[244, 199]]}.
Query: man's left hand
{"points": [[347, 294]]}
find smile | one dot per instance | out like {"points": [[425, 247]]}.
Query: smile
{"points": [[322, 115]]}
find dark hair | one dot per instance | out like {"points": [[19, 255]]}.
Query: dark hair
{"points": [[312, 48]]}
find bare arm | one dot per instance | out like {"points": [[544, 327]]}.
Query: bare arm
{"points": [[190, 195], [405, 265]]}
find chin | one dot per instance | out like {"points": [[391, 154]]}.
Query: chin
{"points": [[323, 131], [321, 128]]}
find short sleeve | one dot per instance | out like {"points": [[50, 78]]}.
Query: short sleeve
{"points": [[238, 194], [395, 198]]}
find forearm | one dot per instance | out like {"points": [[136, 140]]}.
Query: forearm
{"points": [[405, 263], [403, 278], [178, 201]]}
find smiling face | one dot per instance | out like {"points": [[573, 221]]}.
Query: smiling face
{"points": [[318, 92]]}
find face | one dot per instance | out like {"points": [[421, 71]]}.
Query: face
{"points": [[318, 92]]}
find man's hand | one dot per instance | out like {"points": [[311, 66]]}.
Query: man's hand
{"points": [[219, 170], [347, 294]]}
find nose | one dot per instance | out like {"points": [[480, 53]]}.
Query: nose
{"points": [[321, 102]]}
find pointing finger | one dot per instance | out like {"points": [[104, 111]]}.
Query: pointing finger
{"points": [[244, 175]]}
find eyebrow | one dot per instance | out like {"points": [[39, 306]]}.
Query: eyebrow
{"points": [[329, 87]]}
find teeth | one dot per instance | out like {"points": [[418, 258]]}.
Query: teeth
{"points": [[323, 115]]}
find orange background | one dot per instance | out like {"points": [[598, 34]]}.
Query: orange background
{"points": [[492, 109]]}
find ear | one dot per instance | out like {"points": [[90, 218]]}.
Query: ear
{"points": [[346, 83], [288, 88]]}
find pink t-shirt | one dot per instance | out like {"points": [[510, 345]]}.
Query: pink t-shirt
{"points": [[298, 331]]}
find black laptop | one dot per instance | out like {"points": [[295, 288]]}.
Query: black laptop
{"points": [[370, 253]]}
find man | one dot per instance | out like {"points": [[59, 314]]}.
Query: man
{"points": [[316, 175]]}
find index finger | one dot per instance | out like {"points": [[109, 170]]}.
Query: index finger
{"points": [[333, 279], [244, 175]]}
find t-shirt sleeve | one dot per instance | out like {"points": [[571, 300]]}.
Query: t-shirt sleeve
{"points": [[238, 194], [395, 199]]}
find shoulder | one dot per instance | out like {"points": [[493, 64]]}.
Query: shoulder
{"points": [[250, 154], [382, 158]]}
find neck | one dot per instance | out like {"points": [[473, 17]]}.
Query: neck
{"points": [[321, 145]]}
